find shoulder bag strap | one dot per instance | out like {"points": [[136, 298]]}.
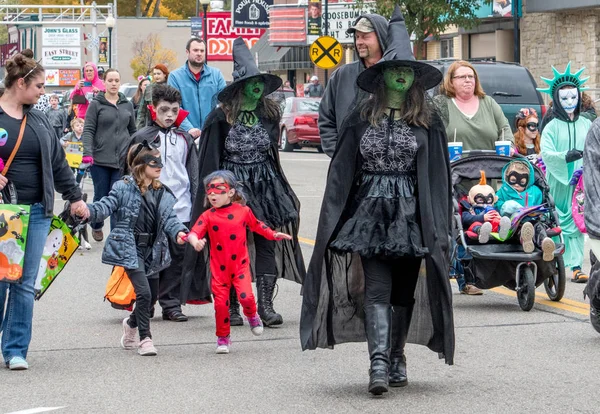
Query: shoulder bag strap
{"points": [[17, 145]]}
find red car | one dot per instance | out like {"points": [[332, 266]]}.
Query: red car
{"points": [[299, 124]]}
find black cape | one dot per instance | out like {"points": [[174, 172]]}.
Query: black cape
{"points": [[197, 292], [333, 291], [290, 263]]}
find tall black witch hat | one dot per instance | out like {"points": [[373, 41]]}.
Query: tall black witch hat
{"points": [[398, 53], [244, 69]]}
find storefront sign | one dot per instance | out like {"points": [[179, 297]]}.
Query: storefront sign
{"points": [[61, 56], [7, 51], [221, 35], [287, 25], [51, 77], [61, 36], [68, 77], [253, 14]]}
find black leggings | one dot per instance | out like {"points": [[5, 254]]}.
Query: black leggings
{"points": [[265, 256], [391, 281], [146, 292]]}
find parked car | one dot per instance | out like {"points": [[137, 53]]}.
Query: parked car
{"points": [[510, 84], [128, 89], [281, 94], [299, 124]]}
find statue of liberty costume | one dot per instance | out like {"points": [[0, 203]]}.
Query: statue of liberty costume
{"points": [[563, 140]]}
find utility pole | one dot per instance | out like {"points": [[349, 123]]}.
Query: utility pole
{"points": [[94, 33]]}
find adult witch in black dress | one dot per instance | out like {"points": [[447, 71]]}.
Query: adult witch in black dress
{"points": [[242, 136], [386, 210]]}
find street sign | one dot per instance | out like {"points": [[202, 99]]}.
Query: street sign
{"points": [[326, 52]]}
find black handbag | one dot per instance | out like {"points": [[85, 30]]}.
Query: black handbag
{"points": [[79, 100]]}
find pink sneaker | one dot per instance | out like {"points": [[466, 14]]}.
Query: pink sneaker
{"points": [[223, 344], [256, 325], [146, 348], [128, 340]]}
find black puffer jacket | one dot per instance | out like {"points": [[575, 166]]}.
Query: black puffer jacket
{"points": [[341, 90], [108, 129]]}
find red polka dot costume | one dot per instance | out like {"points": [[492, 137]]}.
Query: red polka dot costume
{"points": [[229, 261]]}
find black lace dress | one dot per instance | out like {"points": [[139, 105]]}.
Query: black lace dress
{"points": [[247, 156], [382, 219]]}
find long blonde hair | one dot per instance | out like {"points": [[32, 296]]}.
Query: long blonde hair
{"points": [[137, 166]]}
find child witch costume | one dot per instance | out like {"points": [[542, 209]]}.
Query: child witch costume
{"points": [[242, 136], [386, 211]]}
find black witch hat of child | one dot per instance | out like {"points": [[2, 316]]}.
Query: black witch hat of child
{"points": [[398, 54], [244, 69]]}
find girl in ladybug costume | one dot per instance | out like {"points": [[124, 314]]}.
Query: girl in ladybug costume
{"points": [[226, 223]]}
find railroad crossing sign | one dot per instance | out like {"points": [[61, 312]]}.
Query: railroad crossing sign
{"points": [[326, 52]]}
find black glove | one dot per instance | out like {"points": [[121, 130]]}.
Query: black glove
{"points": [[573, 155]]}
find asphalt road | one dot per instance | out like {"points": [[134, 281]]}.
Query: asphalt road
{"points": [[507, 360]]}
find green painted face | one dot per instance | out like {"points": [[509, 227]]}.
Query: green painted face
{"points": [[399, 79], [253, 90]]}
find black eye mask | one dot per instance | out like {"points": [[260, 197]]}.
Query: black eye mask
{"points": [[154, 162], [483, 198], [514, 178]]}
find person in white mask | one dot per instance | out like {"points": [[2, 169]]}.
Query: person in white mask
{"points": [[562, 146]]}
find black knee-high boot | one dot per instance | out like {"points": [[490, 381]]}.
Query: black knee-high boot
{"points": [[401, 317], [377, 327], [235, 319], [265, 286]]}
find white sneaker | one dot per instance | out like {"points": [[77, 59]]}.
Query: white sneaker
{"points": [[128, 339], [527, 237], [484, 232], [223, 344], [146, 348], [86, 245]]}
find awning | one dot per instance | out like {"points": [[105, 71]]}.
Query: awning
{"points": [[273, 58]]}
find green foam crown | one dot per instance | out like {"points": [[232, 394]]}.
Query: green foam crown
{"points": [[563, 79]]}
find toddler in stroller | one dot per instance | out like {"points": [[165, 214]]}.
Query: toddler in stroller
{"points": [[517, 261]]}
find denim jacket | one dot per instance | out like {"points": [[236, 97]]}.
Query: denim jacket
{"points": [[124, 201]]}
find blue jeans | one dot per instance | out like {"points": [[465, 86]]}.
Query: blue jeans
{"points": [[16, 314], [458, 267], [104, 178]]}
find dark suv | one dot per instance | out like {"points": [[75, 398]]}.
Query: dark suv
{"points": [[510, 84]]}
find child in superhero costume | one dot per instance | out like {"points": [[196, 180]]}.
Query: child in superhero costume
{"points": [[226, 223], [480, 217], [562, 147], [518, 190], [242, 136]]}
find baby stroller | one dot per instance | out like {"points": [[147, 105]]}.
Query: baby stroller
{"points": [[505, 264]]}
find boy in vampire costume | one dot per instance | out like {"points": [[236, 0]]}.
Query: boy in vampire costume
{"points": [[385, 213], [180, 174], [563, 140], [241, 135]]}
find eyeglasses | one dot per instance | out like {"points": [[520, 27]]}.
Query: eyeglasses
{"points": [[532, 126], [464, 77]]}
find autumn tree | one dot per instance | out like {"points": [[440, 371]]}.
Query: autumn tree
{"points": [[149, 52], [426, 18]]}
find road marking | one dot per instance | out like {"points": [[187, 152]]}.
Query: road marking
{"points": [[568, 305], [37, 410]]}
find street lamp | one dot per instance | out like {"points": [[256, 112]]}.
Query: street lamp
{"points": [[110, 24], [205, 4]]}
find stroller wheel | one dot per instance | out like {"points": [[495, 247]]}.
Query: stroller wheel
{"points": [[526, 292], [555, 284]]}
